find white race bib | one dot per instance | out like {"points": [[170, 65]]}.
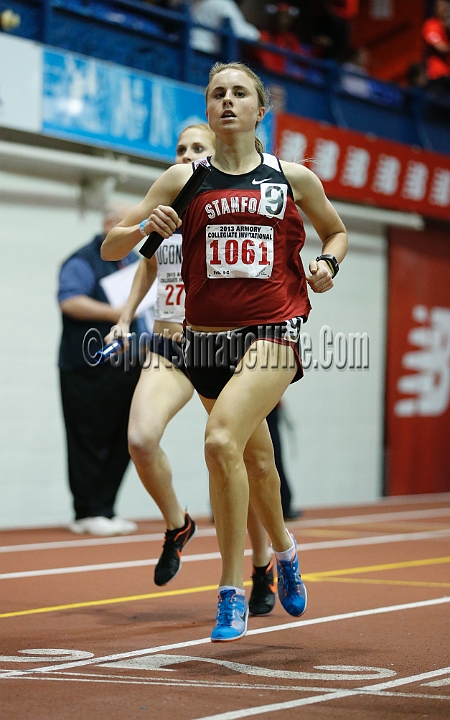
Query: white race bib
{"points": [[170, 295], [239, 251]]}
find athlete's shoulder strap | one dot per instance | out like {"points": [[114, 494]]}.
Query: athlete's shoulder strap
{"points": [[271, 161]]}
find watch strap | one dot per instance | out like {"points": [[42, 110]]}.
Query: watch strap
{"points": [[331, 262]]}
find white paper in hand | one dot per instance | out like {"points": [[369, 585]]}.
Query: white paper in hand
{"points": [[117, 288]]}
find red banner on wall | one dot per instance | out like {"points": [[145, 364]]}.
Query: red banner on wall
{"points": [[418, 363], [367, 170]]}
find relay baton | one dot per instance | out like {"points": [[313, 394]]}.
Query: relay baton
{"points": [[116, 346], [180, 204]]}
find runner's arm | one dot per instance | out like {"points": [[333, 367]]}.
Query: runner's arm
{"points": [[310, 197], [155, 207], [142, 282]]}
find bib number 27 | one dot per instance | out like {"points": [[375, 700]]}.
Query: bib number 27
{"points": [[174, 293]]}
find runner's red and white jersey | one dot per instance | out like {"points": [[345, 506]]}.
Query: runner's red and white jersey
{"points": [[242, 236], [170, 294]]}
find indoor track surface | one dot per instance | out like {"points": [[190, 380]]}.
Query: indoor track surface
{"points": [[85, 633]]}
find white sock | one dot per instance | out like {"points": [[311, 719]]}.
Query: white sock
{"points": [[238, 591], [286, 555]]}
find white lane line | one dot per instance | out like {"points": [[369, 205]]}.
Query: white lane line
{"points": [[366, 690], [322, 545], [413, 499], [398, 682], [198, 683], [376, 517], [375, 540], [89, 678], [348, 616], [140, 680], [205, 641], [92, 542], [439, 683], [104, 566], [418, 696]]}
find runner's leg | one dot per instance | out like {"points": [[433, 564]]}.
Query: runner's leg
{"points": [[234, 427], [161, 392]]}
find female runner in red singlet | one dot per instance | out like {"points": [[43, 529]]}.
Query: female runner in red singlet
{"points": [[246, 297], [164, 389]]}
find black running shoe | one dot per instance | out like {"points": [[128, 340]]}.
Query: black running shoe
{"points": [[292, 514], [262, 598], [169, 564]]}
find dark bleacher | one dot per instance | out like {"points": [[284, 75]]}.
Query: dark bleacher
{"points": [[149, 38]]}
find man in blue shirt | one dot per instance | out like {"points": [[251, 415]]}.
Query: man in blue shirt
{"points": [[95, 398]]}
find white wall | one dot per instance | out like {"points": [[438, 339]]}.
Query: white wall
{"points": [[338, 416], [334, 453], [36, 235]]}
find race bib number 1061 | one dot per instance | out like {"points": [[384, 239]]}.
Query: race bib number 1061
{"points": [[239, 251]]}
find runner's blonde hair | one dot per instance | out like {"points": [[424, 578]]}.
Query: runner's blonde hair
{"points": [[200, 126]]}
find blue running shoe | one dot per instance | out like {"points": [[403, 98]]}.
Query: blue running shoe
{"points": [[231, 618], [291, 589]]}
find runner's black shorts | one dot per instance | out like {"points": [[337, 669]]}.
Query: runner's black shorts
{"points": [[211, 358], [169, 349]]}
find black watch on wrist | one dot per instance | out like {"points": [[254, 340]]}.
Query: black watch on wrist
{"points": [[331, 262]]}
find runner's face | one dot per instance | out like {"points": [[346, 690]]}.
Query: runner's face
{"points": [[233, 102], [193, 143]]}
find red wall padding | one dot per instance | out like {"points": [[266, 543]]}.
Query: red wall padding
{"points": [[418, 363]]}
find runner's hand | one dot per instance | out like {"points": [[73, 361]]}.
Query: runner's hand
{"points": [[120, 330], [163, 220], [320, 279]]}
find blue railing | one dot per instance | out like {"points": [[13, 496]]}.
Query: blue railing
{"points": [[146, 37]]}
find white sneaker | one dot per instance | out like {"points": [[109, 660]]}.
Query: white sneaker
{"points": [[123, 527], [103, 526]]}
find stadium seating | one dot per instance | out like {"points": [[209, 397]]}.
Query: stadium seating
{"points": [[156, 40]]}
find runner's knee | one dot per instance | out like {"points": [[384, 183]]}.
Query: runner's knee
{"points": [[259, 466], [142, 444], [220, 448]]}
